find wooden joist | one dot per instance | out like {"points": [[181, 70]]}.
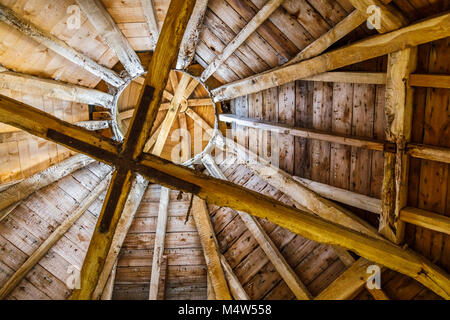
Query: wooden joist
{"points": [[37, 255], [246, 32], [26, 187], [428, 30], [59, 46], [220, 193], [113, 36], [53, 89], [210, 249], [192, 34], [426, 219], [149, 11], [158, 251], [398, 110], [439, 154], [344, 27], [350, 77], [236, 289], [109, 287], [273, 254], [131, 206], [308, 133], [430, 80]]}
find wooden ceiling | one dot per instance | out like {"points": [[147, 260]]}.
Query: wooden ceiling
{"points": [[350, 105]]}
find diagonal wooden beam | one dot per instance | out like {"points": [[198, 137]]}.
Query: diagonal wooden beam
{"points": [[37, 255], [343, 28], [264, 241], [210, 249], [158, 251], [419, 33], [58, 46], [26, 187], [113, 36], [150, 17], [246, 32], [53, 89], [192, 34], [236, 289], [171, 115], [220, 193]]}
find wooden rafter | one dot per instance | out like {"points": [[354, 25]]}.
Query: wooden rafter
{"points": [[53, 89], [150, 17], [191, 36], [422, 32], [163, 172], [113, 36], [37, 255], [58, 46], [246, 32], [273, 254], [236, 289]]}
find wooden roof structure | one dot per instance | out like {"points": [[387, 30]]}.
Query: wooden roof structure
{"points": [[323, 150]]}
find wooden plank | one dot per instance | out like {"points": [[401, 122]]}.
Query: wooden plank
{"points": [[113, 36], [59, 46], [158, 254], [210, 249], [53, 89], [242, 36], [429, 81], [191, 36], [438, 154], [52, 239], [422, 32], [148, 9], [426, 219]]}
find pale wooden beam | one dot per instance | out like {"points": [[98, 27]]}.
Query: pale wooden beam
{"points": [[347, 197], [28, 186], [192, 34], [5, 212], [237, 291], [439, 154], [349, 283], [113, 36], [210, 249], [422, 32], [150, 17], [168, 121], [273, 254], [59, 46], [131, 206], [350, 77], [347, 25], [243, 35], [391, 18], [53, 89], [109, 287], [158, 251], [430, 80], [93, 125], [426, 219], [185, 138], [399, 112], [211, 295], [37, 255], [306, 133]]}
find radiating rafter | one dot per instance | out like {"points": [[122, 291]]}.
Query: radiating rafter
{"points": [[149, 11], [58, 46], [113, 36]]}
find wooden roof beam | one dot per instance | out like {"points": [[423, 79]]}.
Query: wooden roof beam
{"points": [[58, 46], [113, 36], [243, 35], [150, 17], [53, 89], [220, 193], [40, 252], [284, 269], [422, 32], [192, 34]]}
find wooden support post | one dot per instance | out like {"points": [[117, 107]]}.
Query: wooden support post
{"points": [[264, 241], [110, 32], [434, 28], [58, 46], [398, 109], [53, 89], [210, 249], [36, 256], [158, 251]]}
